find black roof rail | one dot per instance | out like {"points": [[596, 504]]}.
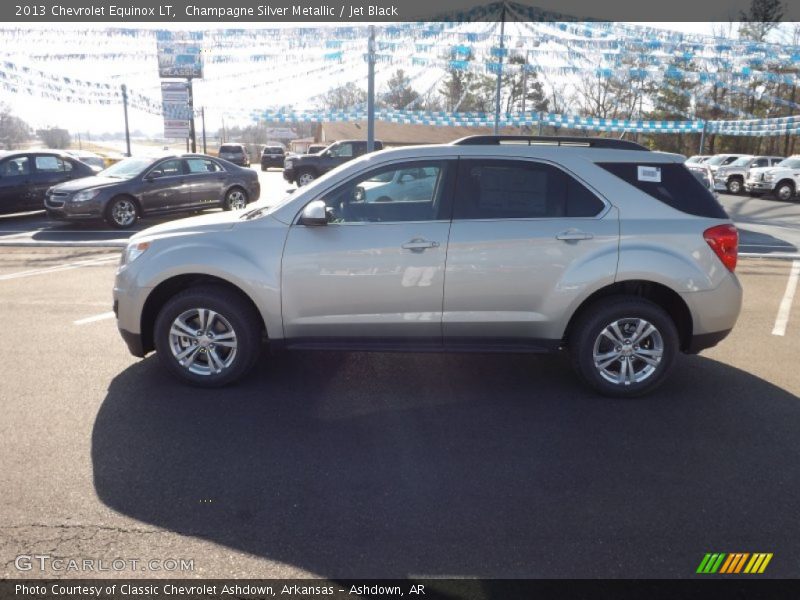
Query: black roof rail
{"points": [[532, 140]]}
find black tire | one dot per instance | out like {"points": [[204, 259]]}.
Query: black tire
{"points": [[304, 177], [735, 185], [784, 191], [237, 315], [627, 312], [234, 198], [122, 212]]}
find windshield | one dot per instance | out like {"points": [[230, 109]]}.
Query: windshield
{"points": [[792, 163], [742, 162], [127, 168], [716, 160]]}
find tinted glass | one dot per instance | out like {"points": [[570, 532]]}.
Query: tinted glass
{"points": [[231, 148], [760, 162], [15, 167], [508, 189], [671, 184], [409, 191]]}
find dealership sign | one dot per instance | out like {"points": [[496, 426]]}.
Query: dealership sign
{"points": [[175, 108], [180, 54]]}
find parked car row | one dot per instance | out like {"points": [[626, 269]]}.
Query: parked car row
{"points": [[69, 189], [754, 174]]}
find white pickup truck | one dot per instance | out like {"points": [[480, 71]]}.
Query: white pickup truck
{"points": [[782, 180]]}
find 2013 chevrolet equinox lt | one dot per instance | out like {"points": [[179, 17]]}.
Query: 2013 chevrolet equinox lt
{"points": [[518, 244]]}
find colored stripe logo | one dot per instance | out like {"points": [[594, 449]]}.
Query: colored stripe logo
{"points": [[734, 563]]}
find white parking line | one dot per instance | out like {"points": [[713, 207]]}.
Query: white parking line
{"points": [[782, 320], [92, 319], [57, 268]]}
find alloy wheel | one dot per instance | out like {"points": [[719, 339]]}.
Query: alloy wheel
{"points": [[628, 351], [123, 213], [202, 341]]}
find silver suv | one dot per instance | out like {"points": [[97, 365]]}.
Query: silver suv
{"points": [[493, 243]]}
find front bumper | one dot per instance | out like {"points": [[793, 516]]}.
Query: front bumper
{"points": [[134, 342], [758, 186], [288, 175]]}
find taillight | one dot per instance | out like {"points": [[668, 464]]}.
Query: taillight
{"points": [[724, 241]]}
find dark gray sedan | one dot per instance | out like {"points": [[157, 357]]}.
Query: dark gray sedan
{"points": [[137, 187]]}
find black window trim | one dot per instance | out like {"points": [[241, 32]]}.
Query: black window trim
{"points": [[600, 215]]}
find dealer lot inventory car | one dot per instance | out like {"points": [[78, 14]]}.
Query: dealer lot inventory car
{"points": [[782, 180], [26, 176], [524, 244], [731, 178], [235, 153], [137, 187], [272, 156]]}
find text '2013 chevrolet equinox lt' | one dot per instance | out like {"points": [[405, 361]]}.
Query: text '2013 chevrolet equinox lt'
{"points": [[491, 243]]}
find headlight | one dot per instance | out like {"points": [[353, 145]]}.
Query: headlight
{"points": [[85, 195], [768, 176], [133, 251], [287, 164]]}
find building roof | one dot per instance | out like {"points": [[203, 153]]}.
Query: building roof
{"points": [[404, 134]]}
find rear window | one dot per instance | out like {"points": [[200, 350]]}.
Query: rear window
{"points": [[273, 150], [671, 184], [230, 148]]}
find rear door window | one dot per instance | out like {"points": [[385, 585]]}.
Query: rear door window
{"points": [[513, 189], [670, 183]]}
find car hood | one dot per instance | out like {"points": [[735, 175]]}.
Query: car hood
{"points": [[85, 183], [219, 221]]}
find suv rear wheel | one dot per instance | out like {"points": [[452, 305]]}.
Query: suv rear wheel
{"points": [[624, 346], [208, 336]]}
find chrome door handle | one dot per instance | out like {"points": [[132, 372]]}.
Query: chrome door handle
{"points": [[571, 235], [418, 245]]}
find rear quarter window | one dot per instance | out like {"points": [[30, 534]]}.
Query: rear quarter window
{"points": [[677, 187]]}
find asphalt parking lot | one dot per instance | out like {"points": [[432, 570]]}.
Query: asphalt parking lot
{"points": [[408, 465]]}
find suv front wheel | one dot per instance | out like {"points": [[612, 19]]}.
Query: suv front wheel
{"points": [[624, 346], [208, 336]]}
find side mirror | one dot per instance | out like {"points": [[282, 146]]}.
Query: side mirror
{"points": [[153, 175], [314, 214]]}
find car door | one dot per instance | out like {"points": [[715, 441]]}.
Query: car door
{"points": [[206, 178], [375, 273], [165, 187], [526, 239], [16, 192], [48, 170]]}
